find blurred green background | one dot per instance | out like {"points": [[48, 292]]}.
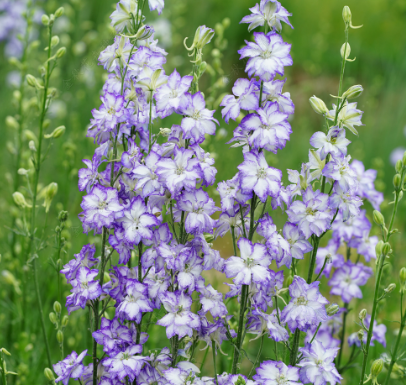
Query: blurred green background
{"points": [[380, 66]]}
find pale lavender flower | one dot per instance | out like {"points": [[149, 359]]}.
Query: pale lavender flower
{"points": [[156, 5], [330, 252], [257, 176], [339, 170], [169, 95], [313, 215], [346, 201], [317, 366], [378, 334], [137, 221], [122, 17], [306, 307], [70, 367], [116, 54], [270, 128], [145, 173], [198, 206], [211, 301], [189, 268], [207, 171], [348, 116], [270, 12], [245, 98], [131, 158], [267, 56], [101, 208], [84, 258], [276, 373], [334, 143], [158, 283], [298, 245], [272, 92], [261, 323], [365, 245], [347, 279], [230, 192], [135, 302], [119, 243], [180, 320], [127, 363], [112, 335], [252, 266], [353, 227], [161, 239], [180, 172], [88, 177], [198, 120]]}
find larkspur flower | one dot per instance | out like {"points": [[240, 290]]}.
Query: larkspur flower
{"points": [[198, 120], [276, 373], [313, 215], [145, 173], [137, 221], [211, 301], [123, 16], [267, 56], [298, 245], [340, 171], [306, 307], [116, 55], [378, 334], [135, 302], [261, 323], [334, 258], [84, 258], [347, 279], [365, 245], [127, 363], [251, 266], [257, 176], [70, 367], [272, 92], [161, 238], [348, 116], [346, 201], [112, 335], [88, 177], [334, 143], [180, 320], [317, 366], [244, 98], [270, 12]]}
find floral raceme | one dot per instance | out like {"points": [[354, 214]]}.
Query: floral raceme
{"points": [[147, 197]]}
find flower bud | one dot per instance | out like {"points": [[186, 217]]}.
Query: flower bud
{"points": [[59, 336], [404, 159], [399, 166], [318, 105], [402, 275], [45, 20], [65, 321], [333, 309], [57, 307], [345, 50], [203, 36], [144, 33], [289, 280], [50, 192], [378, 248], [63, 216], [397, 181], [49, 375], [58, 132], [378, 218], [61, 52], [390, 288], [361, 334], [362, 314], [353, 92], [31, 146], [347, 14], [11, 122], [19, 200], [59, 12], [53, 318], [54, 41], [5, 351], [376, 367], [31, 81], [386, 249], [23, 171], [165, 132]]}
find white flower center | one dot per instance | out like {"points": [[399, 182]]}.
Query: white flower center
{"points": [[300, 301], [266, 54], [261, 173]]}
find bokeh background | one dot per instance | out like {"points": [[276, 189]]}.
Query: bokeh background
{"points": [[380, 66]]}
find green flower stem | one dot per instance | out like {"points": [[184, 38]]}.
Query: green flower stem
{"points": [[204, 359], [398, 339], [342, 337], [234, 242], [213, 346], [258, 356], [3, 369]]}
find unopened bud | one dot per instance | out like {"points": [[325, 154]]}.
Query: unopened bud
{"points": [[65, 321], [63, 216], [53, 318], [378, 248], [376, 367], [362, 314], [402, 275], [54, 41], [57, 307], [5, 351], [50, 192], [45, 20], [345, 50], [19, 200], [31, 81], [61, 52], [12, 123], [333, 309], [399, 166], [58, 132], [165, 132], [397, 181], [59, 12], [378, 218], [203, 36], [49, 375], [23, 171], [353, 92], [361, 334], [318, 105], [386, 249], [390, 288], [59, 336], [289, 280], [106, 277], [31, 146], [404, 159], [347, 14]]}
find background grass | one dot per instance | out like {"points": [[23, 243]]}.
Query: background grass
{"points": [[379, 48]]}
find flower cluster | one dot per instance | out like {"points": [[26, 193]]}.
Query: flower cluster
{"points": [[146, 194]]}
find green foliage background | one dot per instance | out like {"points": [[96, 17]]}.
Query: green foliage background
{"points": [[379, 48]]}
